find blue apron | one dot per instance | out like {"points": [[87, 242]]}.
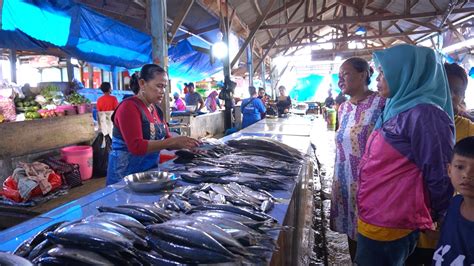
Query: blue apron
{"points": [[121, 161]]}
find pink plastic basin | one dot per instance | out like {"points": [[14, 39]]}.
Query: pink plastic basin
{"points": [[81, 155]]}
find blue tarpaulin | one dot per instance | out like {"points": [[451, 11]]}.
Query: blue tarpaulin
{"points": [[78, 31], [87, 35]]}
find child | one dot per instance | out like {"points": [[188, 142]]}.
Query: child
{"points": [[456, 245]]}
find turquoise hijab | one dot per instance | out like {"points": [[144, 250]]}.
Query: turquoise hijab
{"points": [[415, 75]]}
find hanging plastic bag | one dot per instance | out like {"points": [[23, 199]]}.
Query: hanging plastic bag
{"points": [[101, 147]]}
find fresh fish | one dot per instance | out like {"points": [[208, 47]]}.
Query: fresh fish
{"points": [[50, 260], [222, 190], [221, 236], [90, 236], [221, 222], [219, 199], [267, 205], [265, 145], [166, 203], [257, 216], [40, 249], [148, 209], [7, 259], [189, 236], [201, 196], [153, 258], [210, 171], [125, 232], [122, 219], [80, 255], [182, 204], [231, 216], [138, 215], [25, 248], [188, 254]]}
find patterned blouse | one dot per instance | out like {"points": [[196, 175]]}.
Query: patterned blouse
{"points": [[356, 122]]}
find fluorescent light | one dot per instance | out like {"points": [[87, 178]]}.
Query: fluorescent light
{"points": [[459, 45], [219, 50]]}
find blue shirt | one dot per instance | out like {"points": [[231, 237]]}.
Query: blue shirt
{"points": [[456, 243], [192, 98], [251, 109]]}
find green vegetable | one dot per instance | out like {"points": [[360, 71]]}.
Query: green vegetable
{"points": [[49, 92], [76, 98]]}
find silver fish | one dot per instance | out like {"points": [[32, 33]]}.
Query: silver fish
{"points": [[7, 259], [83, 256]]}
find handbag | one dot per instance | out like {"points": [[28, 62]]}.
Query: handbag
{"points": [[69, 172]]}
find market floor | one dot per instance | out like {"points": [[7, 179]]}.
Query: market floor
{"points": [[336, 244]]}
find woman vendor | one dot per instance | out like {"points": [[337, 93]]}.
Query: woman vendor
{"points": [[140, 131]]}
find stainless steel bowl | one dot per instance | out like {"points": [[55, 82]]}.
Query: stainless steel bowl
{"points": [[150, 181]]}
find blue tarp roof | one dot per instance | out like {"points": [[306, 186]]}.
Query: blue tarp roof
{"points": [[87, 35]]}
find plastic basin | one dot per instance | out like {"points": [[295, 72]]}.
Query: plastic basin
{"points": [[81, 155]]}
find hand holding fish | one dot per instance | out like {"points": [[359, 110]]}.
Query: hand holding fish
{"points": [[182, 142]]}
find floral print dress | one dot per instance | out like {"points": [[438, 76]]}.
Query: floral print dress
{"points": [[356, 122]]}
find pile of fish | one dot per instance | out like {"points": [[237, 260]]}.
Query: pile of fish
{"points": [[145, 234], [259, 163], [209, 193], [210, 148]]}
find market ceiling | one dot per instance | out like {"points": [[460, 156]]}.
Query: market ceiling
{"points": [[281, 27]]}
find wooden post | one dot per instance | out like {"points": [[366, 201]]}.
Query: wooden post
{"points": [[13, 65], [159, 39], [90, 72], [262, 74], [226, 66], [114, 78], [250, 63], [70, 69]]}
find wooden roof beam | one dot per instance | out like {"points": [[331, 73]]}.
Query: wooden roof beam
{"points": [[259, 10], [285, 6], [356, 38], [365, 19], [196, 32], [423, 24], [455, 31], [178, 20], [407, 39], [273, 41], [258, 24]]}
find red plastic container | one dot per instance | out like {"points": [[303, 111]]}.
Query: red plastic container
{"points": [[81, 155]]}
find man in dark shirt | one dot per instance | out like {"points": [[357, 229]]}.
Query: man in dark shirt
{"points": [[193, 98], [329, 102]]}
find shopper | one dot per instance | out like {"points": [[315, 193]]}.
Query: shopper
{"points": [[456, 245], [212, 102], [403, 183], [251, 108], [193, 98], [457, 78], [357, 119], [140, 131], [106, 102], [283, 102], [329, 102], [179, 104]]}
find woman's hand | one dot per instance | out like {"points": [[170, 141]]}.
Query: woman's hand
{"points": [[181, 142]]}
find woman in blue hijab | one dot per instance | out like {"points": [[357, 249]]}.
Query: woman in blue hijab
{"points": [[403, 183]]}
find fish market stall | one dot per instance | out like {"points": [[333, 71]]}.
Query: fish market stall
{"points": [[254, 190], [198, 126]]}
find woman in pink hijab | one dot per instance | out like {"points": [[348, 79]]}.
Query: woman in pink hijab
{"points": [[211, 102]]}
